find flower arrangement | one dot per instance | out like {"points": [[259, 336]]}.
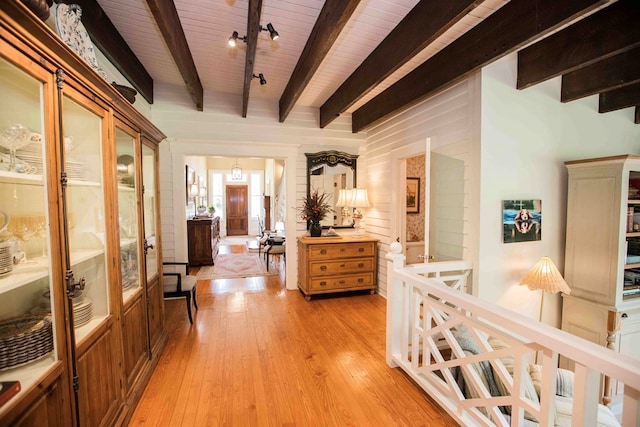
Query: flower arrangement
{"points": [[315, 206]]}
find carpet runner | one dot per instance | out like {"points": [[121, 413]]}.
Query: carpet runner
{"points": [[229, 266]]}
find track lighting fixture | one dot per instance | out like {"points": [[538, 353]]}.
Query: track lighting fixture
{"points": [[233, 40], [272, 32], [260, 76]]}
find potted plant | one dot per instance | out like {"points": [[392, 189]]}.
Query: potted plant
{"points": [[212, 210], [315, 207]]}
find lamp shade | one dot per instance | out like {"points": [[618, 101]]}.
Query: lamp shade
{"points": [[545, 275], [360, 198], [344, 198], [193, 190]]}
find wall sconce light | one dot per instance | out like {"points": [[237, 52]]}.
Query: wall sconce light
{"points": [[272, 32], [233, 40], [236, 172], [260, 76]]}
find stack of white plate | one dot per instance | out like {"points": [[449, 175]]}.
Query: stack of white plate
{"points": [[6, 258], [82, 311], [32, 154], [43, 304], [75, 169]]}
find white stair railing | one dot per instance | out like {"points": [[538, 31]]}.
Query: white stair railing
{"points": [[443, 337]]}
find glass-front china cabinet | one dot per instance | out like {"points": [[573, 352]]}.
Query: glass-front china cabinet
{"points": [[81, 304]]}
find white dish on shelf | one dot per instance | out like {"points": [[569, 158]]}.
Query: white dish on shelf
{"points": [[71, 30]]}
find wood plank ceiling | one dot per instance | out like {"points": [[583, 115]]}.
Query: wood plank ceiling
{"points": [[370, 58]]}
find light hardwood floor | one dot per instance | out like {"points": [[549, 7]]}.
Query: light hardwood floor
{"points": [[259, 355]]}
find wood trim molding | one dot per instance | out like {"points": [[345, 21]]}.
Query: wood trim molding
{"points": [[617, 99], [168, 21], [253, 29], [424, 24], [610, 73], [608, 32], [491, 39], [333, 17]]}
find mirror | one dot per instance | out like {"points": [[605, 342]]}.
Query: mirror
{"points": [[330, 172]]}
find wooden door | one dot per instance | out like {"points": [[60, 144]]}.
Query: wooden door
{"points": [[237, 210]]}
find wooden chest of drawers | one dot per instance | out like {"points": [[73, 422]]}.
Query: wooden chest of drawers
{"points": [[336, 264]]}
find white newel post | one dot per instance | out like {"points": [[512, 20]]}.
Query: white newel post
{"points": [[395, 260]]}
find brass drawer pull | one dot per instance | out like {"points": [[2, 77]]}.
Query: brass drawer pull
{"points": [[361, 264], [341, 282], [342, 265], [323, 251], [323, 267], [360, 280], [360, 249], [323, 283]]}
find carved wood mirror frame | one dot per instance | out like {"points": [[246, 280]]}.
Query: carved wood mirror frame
{"points": [[331, 159]]}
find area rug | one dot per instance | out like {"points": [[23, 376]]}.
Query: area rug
{"points": [[229, 266]]}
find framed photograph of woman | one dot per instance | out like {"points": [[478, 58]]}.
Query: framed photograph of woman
{"points": [[521, 220], [413, 195]]}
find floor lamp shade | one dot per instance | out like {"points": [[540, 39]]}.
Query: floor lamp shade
{"points": [[545, 275]]}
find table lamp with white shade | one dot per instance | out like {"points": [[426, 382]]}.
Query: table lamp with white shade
{"points": [[360, 200], [344, 198]]}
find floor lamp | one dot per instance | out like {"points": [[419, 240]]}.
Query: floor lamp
{"points": [[545, 275]]}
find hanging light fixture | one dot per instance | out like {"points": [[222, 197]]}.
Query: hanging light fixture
{"points": [[236, 171]]}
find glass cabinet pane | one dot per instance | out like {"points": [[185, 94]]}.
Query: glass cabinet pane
{"points": [[85, 219], [27, 311], [149, 186], [127, 213]]}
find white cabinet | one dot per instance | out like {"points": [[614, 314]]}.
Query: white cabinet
{"points": [[602, 258]]}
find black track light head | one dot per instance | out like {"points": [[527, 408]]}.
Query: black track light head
{"points": [[260, 76]]}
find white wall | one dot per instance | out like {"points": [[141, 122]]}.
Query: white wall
{"points": [[449, 119], [220, 130], [526, 137]]}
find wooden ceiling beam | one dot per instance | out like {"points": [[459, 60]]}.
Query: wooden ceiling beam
{"points": [[332, 18], [618, 99], [491, 39], [608, 74], [253, 29], [608, 32], [106, 37], [425, 23], [168, 21]]}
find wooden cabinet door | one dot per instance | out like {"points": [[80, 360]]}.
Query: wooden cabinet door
{"points": [[237, 208], [99, 390], [134, 337]]}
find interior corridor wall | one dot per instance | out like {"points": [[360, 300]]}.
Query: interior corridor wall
{"points": [[527, 135], [450, 119], [221, 130]]}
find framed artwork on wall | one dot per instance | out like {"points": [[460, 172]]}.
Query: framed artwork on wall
{"points": [[521, 220], [413, 195]]}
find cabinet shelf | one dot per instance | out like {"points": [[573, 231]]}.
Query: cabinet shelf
{"points": [[20, 178], [28, 374], [38, 268], [630, 266]]}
